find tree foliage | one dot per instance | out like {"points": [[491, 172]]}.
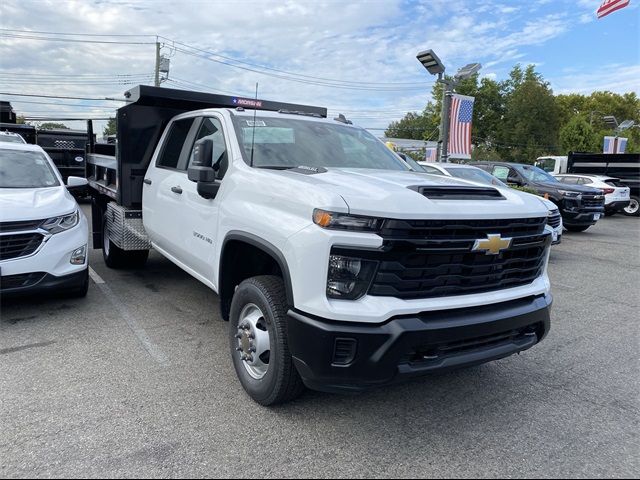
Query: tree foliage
{"points": [[110, 129], [53, 126], [520, 118]]}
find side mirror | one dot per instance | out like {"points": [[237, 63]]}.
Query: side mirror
{"points": [[201, 169], [76, 182], [514, 180]]}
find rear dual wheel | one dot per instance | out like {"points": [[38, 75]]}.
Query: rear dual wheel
{"points": [[115, 257]]}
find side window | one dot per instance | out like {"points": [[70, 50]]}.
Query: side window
{"points": [[211, 128], [173, 146], [570, 180], [585, 181], [500, 172], [432, 170]]}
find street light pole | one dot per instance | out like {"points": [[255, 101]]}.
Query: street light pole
{"points": [[447, 87]]}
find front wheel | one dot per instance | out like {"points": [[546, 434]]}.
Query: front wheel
{"points": [[576, 228], [259, 341], [633, 209]]}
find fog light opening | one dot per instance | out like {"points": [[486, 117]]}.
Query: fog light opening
{"points": [[79, 256]]}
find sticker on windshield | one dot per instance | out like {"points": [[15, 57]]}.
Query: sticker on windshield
{"points": [[256, 123]]}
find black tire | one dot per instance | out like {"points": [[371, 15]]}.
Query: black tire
{"points": [[633, 210], [576, 228], [81, 291], [115, 257], [281, 383]]}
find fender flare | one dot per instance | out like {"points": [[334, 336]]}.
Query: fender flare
{"points": [[267, 248]]}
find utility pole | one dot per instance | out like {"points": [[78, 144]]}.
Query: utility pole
{"points": [[157, 77], [443, 141]]}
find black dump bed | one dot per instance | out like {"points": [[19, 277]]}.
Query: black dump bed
{"points": [[139, 127], [625, 166]]}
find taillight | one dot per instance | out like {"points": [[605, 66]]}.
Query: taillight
{"points": [[607, 191]]}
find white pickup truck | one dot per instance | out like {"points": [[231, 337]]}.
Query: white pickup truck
{"points": [[337, 267]]}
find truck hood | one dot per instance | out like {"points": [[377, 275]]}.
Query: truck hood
{"points": [[386, 193], [18, 204]]}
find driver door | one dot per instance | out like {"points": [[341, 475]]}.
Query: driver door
{"points": [[200, 215]]}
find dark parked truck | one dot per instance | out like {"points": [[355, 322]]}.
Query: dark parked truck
{"points": [[580, 206], [65, 147], [337, 267]]}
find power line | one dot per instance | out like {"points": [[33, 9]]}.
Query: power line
{"points": [[83, 105], [72, 40], [174, 42], [80, 34]]}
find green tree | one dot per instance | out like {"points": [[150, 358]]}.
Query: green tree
{"points": [[53, 126], [110, 129], [21, 121], [530, 123], [577, 136], [412, 125]]}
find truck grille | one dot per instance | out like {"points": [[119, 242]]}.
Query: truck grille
{"points": [[593, 201], [434, 258], [554, 219], [19, 245]]}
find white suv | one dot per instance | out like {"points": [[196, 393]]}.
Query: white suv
{"points": [[43, 233], [617, 196]]}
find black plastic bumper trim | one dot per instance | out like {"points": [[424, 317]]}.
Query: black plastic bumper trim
{"points": [[384, 350]]}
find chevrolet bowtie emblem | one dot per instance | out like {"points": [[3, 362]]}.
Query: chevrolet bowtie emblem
{"points": [[492, 245]]}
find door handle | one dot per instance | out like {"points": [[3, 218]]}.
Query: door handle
{"points": [[148, 181], [177, 190]]}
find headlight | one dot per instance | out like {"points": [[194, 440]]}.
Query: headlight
{"points": [[60, 224], [343, 221], [349, 278], [569, 194]]}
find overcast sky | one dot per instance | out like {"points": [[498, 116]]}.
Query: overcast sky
{"points": [[353, 57]]}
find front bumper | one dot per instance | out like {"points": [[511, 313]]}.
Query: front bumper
{"points": [[582, 217], [617, 206], [41, 283], [345, 357]]}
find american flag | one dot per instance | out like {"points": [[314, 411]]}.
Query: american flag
{"points": [[622, 145], [610, 6], [609, 145], [460, 126], [430, 154]]}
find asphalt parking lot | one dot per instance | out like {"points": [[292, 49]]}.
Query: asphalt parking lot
{"points": [[136, 380]]}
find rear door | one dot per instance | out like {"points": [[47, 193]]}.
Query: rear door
{"points": [[163, 200]]}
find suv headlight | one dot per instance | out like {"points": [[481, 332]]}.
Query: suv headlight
{"points": [[60, 224], [349, 278], [570, 194], [343, 221]]}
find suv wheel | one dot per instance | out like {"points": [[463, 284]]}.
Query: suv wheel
{"points": [[634, 207], [259, 343]]}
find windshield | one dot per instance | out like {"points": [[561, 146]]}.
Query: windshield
{"points": [[414, 165], [25, 169], [11, 139], [535, 174], [290, 143], [475, 175]]}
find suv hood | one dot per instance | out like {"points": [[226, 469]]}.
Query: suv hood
{"points": [[569, 188], [18, 204], [386, 193]]}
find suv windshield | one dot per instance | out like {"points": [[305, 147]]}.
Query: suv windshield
{"points": [[11, 138], [25, 169], [535, 174], [474, 175], [289, 143]]}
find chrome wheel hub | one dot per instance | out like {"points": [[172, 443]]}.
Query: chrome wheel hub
{"points": [[253, 343]]}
